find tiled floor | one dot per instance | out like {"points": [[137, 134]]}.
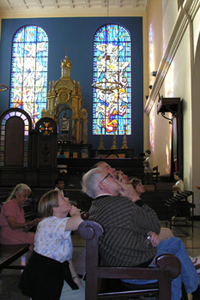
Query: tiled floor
{"points": [[9, 279], [191, 242]]}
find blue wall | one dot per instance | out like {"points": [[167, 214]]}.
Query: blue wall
{"points": [[77, 34]]}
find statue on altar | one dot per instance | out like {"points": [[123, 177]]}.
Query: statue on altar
{"points": [[64, 128], [65, 95], [65, 123]]}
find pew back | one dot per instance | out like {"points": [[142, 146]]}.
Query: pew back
{"points": [[168, 267]]}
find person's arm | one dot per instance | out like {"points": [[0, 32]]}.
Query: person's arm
{"points": [[175, 188], [145, 217], [32, 224], [150, 220], [15, 225], [127, 190], [75, 276], [75, 220]]}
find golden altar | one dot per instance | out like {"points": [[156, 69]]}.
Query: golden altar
{"points": [[65, 95]]}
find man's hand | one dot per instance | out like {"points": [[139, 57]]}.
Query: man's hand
{"points": [[155, 241], [127, 190]]}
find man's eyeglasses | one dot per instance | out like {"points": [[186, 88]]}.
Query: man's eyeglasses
{"points": [[105, 177]]}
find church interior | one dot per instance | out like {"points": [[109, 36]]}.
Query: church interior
{"points": [[114, 81]]}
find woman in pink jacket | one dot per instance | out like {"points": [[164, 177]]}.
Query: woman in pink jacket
{"points": [[14, 229]]}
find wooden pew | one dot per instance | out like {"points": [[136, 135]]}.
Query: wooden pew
{"points": [[131, 167], [10, 253], [180, 204], [168, 267]]}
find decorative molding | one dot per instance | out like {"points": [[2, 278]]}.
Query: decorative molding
{"points": [[69, 8], [185, 16], [45, 153]]}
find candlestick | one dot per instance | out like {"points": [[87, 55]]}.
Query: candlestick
{"points": [[114, 145], [101, 147], [124, 146]]}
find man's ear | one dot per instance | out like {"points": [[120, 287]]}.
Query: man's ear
{"points": [[101, 185], [55, 208]]}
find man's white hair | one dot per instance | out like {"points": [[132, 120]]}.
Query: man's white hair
{"points": [[90, 181]]}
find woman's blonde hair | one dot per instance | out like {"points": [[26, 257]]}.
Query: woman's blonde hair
{"points": [[19, 188], [47, 202]]}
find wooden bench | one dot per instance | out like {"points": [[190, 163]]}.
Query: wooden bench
{"points": [[179, 204], [131, 167], [30, 208], [156, 173], [168, 267], [10, 253]]}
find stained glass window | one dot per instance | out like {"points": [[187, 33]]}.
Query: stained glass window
{"points": [[28, 89], [46, 128], [112, 80]]}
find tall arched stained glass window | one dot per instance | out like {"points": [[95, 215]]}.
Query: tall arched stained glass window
{"points": [[112, 80], [28, 89]]}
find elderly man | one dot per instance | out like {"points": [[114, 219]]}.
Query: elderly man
{"points": [[106, 167], [129, 224], [165, 233]]}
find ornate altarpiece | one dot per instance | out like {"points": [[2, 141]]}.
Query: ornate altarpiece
{"points": [[63, 95]]}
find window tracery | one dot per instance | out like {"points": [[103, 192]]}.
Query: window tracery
{"points": [[28, 89], [112, 80]]}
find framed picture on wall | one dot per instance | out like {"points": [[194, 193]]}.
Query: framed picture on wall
{"points": [[174, 138]]}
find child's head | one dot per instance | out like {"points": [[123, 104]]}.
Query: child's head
{"points": [[177, 175], [134, 182], [47, 202], [138, 186], [147, 152], [60, 184]]}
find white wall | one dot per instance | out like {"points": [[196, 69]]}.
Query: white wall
{"points": [[162, 142], [145, 82], [196, 115], [182, 80], [170, 12], [183, 89], [160, 134]]}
